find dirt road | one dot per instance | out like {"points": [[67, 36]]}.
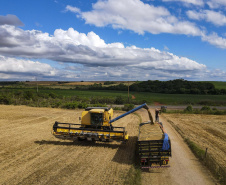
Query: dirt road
{"points": [[185, 168]]}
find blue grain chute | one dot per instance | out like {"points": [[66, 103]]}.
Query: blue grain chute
{"points": [[129, 112]]}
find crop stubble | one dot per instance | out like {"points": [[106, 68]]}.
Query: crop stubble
{"points": [[31, 155], [208, 131]]}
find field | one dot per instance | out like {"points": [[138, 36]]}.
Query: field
{"points": [[219, 85], [69, 84], [138, 97], [207, 131], [31, 155]]}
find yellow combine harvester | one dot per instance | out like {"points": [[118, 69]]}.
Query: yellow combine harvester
{"points": [[96, 125]]}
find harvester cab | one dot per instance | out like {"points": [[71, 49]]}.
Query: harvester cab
{"points": [[97, 117], [96, 125]]}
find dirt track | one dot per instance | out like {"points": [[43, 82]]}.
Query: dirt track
{"points": [[185, 168], [31, 155]]}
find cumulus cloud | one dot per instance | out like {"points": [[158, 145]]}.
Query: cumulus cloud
{"points": [[174, 64], [194, 2], [216, 40], [74, 47], [13, 65], [24, 69], [137, 16], [137, 73], [216, 18], [10, 20], [140, 17], [213, 4], [216, 3], [101, 60]]}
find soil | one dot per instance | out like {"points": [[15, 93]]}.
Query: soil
{"points": [[30, 154]]}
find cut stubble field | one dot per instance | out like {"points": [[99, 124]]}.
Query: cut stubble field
{"points": [[30, 154], [207, 131]]}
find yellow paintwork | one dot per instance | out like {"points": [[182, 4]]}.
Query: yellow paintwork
{"points": [[85, 118], [72, 132], [104, 135], [96, 111], [107, 115]]}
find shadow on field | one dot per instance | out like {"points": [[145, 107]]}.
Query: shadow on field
{"points": [[80, 143], [126, 152]]}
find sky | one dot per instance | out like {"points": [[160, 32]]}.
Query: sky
{"points": [[112, 40]]}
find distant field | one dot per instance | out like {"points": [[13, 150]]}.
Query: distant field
{"points": [[73, 84], [56, 84], [70, 89], [151, 98], [219, 85]]}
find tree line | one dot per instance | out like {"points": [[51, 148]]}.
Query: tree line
{"points": [[178, 86], [31, 98]]}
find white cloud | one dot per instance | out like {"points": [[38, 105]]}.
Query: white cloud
{"points": [[216, 18], [24, 69], [213, 4], [99, 59], [194, 2], [174, 64], [13, 65], [72, 46], [215, 40], [72, 9], [137, 16], [216, 3]]}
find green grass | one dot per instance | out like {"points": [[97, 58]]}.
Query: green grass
{"points": [[219, 85], [140, 97], [170, 99], [200, 153], [182, 99], [134, 176]]}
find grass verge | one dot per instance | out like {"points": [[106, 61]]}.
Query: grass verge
{"points": [[200, 153], [133, 176]]}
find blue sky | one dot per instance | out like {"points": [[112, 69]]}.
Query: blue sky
{"points": [[113, 40]]}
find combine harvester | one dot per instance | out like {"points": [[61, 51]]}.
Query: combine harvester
{"points": [[96, 125]]}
